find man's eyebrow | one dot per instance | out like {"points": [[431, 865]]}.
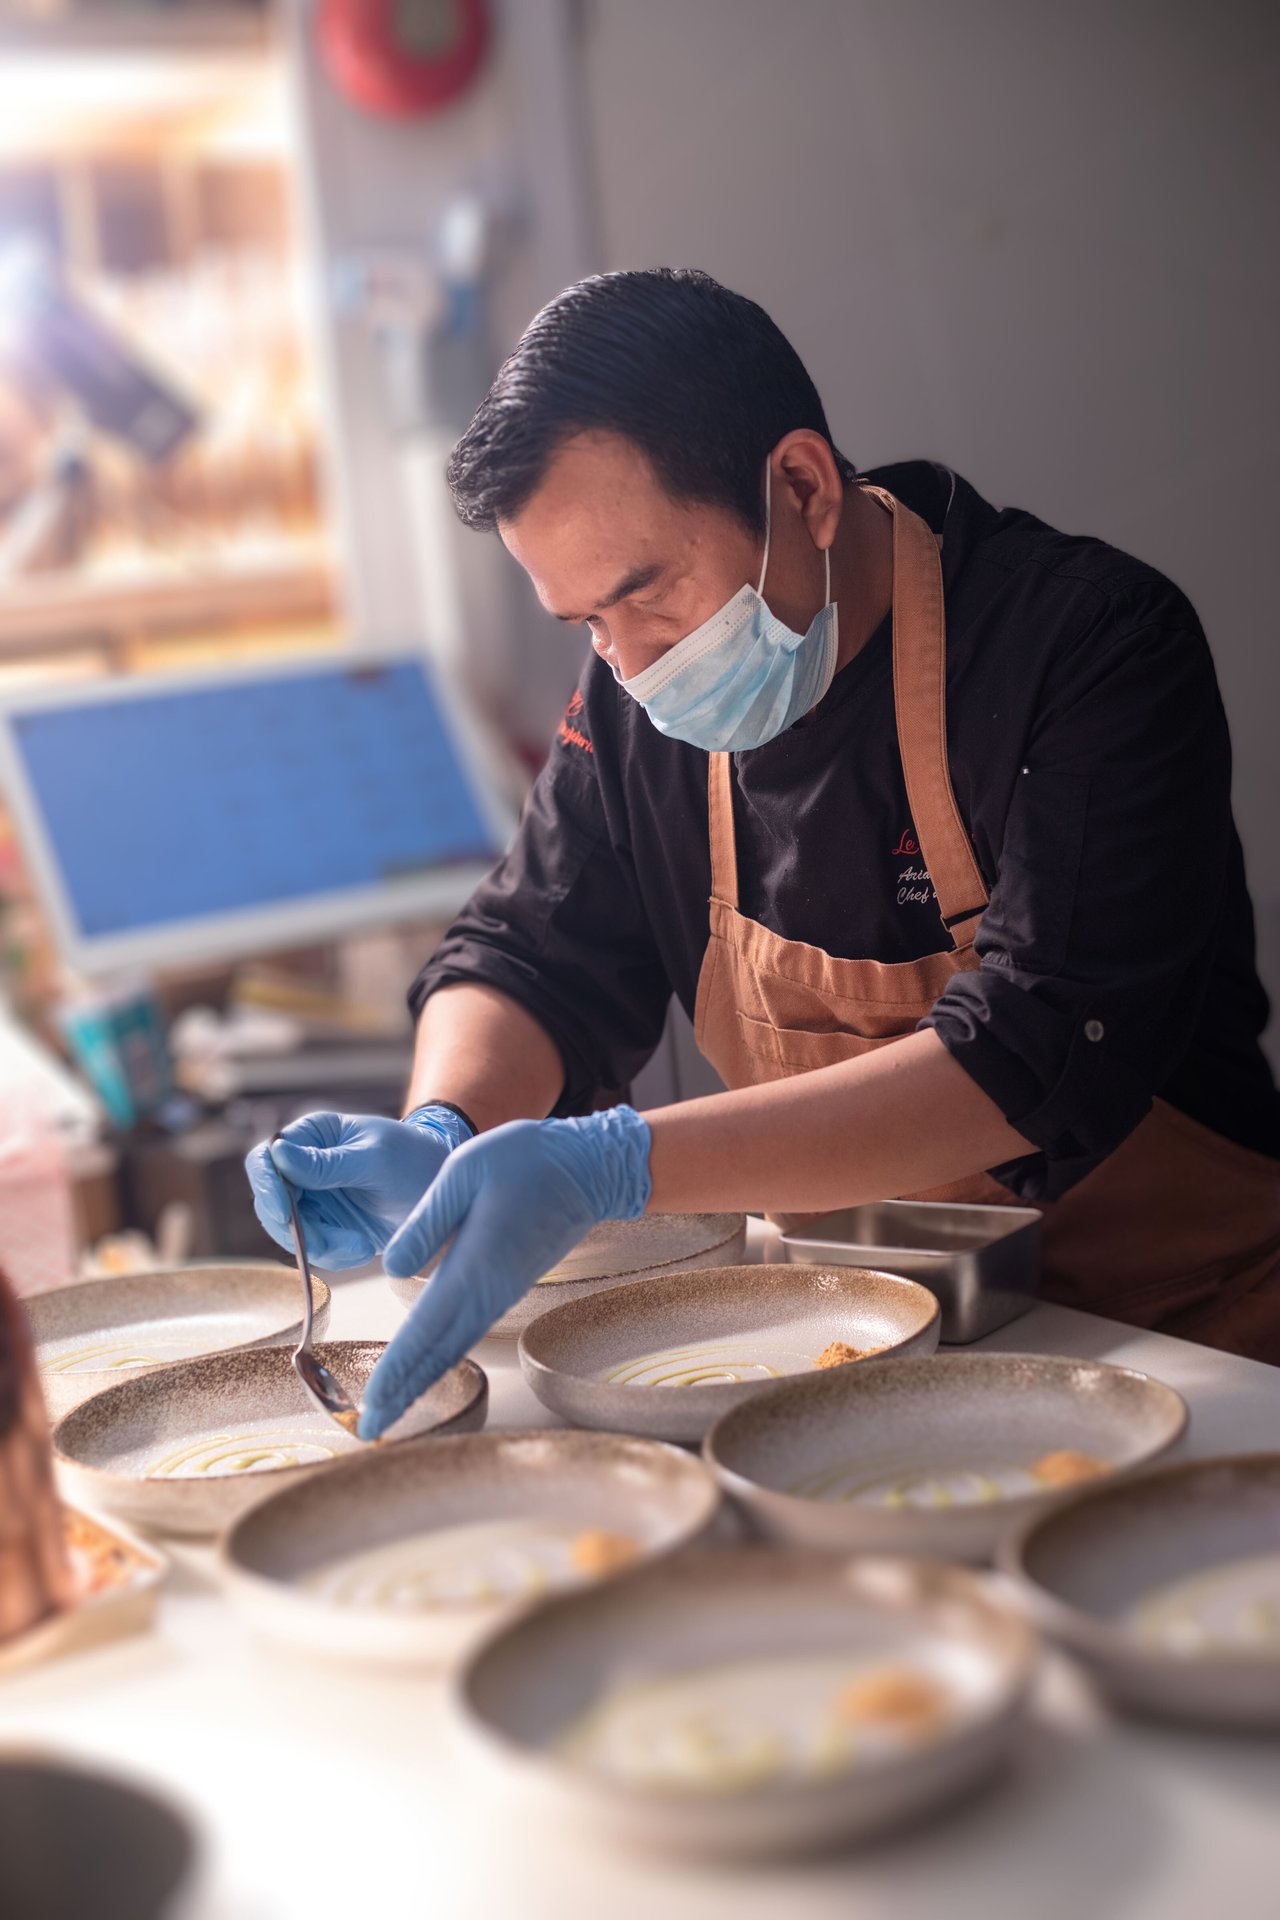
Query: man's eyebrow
{"points": [[634, 582]]}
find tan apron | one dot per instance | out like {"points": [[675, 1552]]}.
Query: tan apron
{"points": [[1179, 1228]]}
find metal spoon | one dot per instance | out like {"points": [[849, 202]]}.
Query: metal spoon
{"points": [[325, 1389]]}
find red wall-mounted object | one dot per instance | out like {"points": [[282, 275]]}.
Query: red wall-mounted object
{"points": [[403, 58]]}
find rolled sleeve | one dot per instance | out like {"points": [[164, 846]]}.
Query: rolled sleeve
{"points": [[1096, 946], [1051, 1072]]}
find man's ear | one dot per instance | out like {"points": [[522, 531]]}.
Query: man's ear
{"points": [[804, 464]]}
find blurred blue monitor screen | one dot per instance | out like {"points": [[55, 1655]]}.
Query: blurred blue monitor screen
{"points": [[217, 799]]}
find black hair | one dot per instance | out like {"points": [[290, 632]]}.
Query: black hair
{"points": [[698, 377]]}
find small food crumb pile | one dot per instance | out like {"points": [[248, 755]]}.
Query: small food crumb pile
{"points": [[598, 1552], [1065, 1467], [839, 1352], [911, 1703]]}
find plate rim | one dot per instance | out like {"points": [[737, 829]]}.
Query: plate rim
{"points": [[1089, 1632], [247, 1579], [651, 1266], [844, 1566], [676, 1397], [83, 1290], [142, 1382], [1005, 1512]]}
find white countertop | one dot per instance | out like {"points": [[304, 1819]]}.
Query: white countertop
{"points": [[352, 1785]]}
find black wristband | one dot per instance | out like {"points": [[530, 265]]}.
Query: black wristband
{"points": [[449, 1107]]}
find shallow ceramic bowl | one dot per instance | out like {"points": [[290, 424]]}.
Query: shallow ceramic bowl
{"points": [[1084, 1566], [657, 1495], [612, 1254], [532, 1682], [773, 1317], [128, 1325], [924, 1420], [75, 1843], [108, 1449]]}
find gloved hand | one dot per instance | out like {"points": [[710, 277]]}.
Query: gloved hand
{"points": [[515, 1201], [357, 1177]]}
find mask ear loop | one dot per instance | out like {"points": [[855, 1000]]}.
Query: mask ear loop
{"points": [[768, 528], [768, 534]]}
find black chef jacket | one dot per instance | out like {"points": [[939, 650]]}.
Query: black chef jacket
{"points": [[1091, 763]]}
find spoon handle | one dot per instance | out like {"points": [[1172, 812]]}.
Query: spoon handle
{"points": [[304, 1265]]}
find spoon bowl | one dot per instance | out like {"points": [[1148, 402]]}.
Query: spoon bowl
{"points": [[327, 1391]]}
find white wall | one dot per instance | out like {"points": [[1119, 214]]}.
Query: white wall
{"points": [[1034, 240]]}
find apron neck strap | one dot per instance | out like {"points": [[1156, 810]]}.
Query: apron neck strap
{"points": [[920, 708], [724, 846], [920, 705]]}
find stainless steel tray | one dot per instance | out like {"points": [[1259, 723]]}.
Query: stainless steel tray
{"points": [[983, 1263]]}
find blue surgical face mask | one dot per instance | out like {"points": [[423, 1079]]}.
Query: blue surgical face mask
{"points": [[742, 677]]}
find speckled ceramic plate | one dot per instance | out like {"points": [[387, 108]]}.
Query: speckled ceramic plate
{"points": [[186, 1449], [76, 1842], [718, 1702], [1167, 1586], [931, 1457], [408, 1557], [100, 1332], [612, 1254], [665, 1357]]}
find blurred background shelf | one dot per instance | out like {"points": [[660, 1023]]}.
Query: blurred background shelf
{"points": [[147, 168], [52, 614]]}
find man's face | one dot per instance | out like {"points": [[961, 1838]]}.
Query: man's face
{"points": [[604, 544]]}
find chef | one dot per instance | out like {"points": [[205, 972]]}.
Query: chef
{"points": [[919, 807]]}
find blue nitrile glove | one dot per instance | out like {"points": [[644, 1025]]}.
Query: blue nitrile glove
{"points": [[515, 1201], [357, 1177]]}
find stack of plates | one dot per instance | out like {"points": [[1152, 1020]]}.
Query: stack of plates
{"points": [[615, 1252]]}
